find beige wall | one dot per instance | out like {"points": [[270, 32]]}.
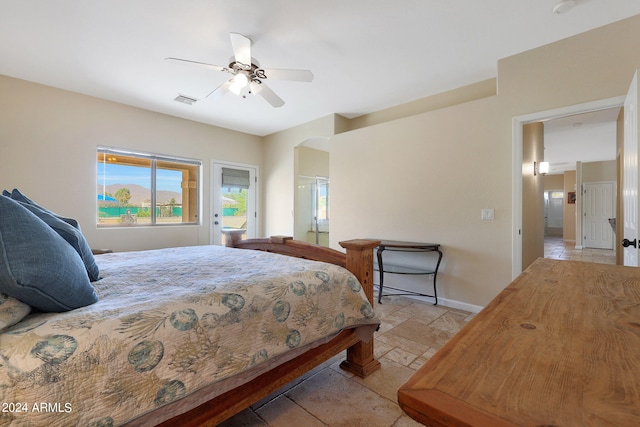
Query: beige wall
{"points": [[599, 171], [591, 66], [48, 140], [312, 162], [427, 177], [554, 182], [467, 93], [532, 194]]}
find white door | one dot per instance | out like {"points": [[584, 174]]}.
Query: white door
{"points": [[233, 200], [630, 173], [598, 205]]}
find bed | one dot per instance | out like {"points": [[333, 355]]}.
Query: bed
{"points": [[188, 336]]}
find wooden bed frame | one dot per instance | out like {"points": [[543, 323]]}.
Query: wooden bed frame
{"points": [[360, 361]]}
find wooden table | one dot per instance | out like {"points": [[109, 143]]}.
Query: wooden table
{"points": [[560, 346]]}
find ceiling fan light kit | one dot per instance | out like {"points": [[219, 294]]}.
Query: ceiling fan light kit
{"points": [[247, 75], [240, 82]]}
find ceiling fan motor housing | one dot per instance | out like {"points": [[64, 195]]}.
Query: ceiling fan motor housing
{"points": [[253, 71]]}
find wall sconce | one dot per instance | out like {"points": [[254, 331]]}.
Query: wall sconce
{"points": [[541, 168]]}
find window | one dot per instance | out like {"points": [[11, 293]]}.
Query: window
{"points": [[146, 189]]}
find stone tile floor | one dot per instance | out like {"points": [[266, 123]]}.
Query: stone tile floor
{"points": [[410, 334], [556, 248]]}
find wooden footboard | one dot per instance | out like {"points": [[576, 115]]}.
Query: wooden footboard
{"points": [[360, 361], [358, 260]]}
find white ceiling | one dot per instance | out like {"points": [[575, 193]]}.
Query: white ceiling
{"points": [[588, 137], [366, 55]]}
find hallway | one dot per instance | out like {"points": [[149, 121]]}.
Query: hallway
{"points": [[556, 248]]}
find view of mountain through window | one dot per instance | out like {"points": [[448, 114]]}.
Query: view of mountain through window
{"points": [[140, 189]]}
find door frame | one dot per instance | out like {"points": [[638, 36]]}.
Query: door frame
{"points": [[256, 202], [631, 256], [516, 188]]}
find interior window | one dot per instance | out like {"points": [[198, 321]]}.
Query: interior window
{"points": [[146, 189]]}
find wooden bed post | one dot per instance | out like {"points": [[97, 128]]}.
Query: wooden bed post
{"points": [[360, 360], [231, 236]]}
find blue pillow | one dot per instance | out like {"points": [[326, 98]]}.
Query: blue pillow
{"points": [[37, 266], [64, 227], [70, 234], [19, 196]]}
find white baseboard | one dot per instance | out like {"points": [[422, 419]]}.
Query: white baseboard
{"points": [[459, 305]]}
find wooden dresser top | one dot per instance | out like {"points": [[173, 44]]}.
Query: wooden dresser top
{"points": [[560, 346]]}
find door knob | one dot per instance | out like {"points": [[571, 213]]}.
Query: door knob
{"points": [[626, 243]]}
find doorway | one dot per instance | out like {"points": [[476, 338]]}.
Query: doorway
{"points": [[519, 214], [553, 213], [233, 200], [312, 210], [312, 195]]}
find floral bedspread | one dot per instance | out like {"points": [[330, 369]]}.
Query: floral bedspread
{"points": [[168, 322]]}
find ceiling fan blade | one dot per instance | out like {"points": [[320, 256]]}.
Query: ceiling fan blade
{"points": [[264, 91], [200, 64], [277, 74], [220, 90], [241, 49]]}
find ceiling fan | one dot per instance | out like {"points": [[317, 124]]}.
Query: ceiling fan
{"points": [[248, 78]]}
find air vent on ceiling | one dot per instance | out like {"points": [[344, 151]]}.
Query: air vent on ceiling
{"points": [[185, 99]]}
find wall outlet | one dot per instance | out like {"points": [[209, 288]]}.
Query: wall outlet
{"points": [[487, 214]]}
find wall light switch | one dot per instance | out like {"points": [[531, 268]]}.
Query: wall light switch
{"points": [[487, 214]]}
